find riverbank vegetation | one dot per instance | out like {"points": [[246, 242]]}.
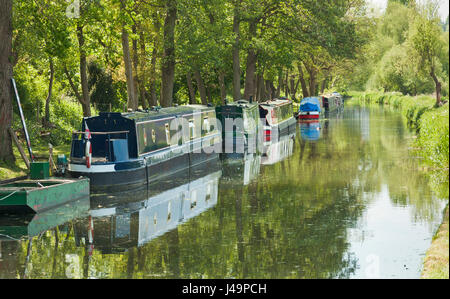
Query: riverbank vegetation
{"points": [[74, 59]]}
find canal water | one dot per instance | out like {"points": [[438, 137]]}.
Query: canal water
{"points": [[339, 199]]}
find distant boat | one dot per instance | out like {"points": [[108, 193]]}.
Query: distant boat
{"points": [[332, 102], [278, 119], [124, 150], [313, 108], [310, 109]]}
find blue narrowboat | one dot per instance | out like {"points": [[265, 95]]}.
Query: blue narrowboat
{"points": [[310, 109], [131, 149]]}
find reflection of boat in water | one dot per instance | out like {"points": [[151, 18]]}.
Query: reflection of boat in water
{"points": [[123, 221], [310, 131], [14, 226], [244, 166], [277, 151]]}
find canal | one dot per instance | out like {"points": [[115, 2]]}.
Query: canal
{"points": [[345, 200]]}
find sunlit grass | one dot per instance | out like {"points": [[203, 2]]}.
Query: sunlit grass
{"points": [[18, 169], [436, 265]]}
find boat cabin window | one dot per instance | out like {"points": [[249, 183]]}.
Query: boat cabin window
{"points": [[206, 127], [167, 134], [191, 129]]}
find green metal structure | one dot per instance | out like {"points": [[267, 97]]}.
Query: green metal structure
{"points": [[42, 195]]}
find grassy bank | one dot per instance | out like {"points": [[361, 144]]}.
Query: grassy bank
{"points": [[18, 169], [436, 265], [432, 126]]}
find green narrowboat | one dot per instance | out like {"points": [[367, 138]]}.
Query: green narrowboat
{"points": [[240, 125]]}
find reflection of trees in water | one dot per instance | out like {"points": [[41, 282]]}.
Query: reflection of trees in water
{"points": [[290, 223]]}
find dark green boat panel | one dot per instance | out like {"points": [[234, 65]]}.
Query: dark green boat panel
{"points": [[43, 194]]}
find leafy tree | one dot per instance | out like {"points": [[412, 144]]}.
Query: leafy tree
{"points": [[427, 45]]}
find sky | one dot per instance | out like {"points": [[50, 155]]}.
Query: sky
{"points": [[443, 11]]}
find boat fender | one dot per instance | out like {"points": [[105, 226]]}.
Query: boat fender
{"points": [[88, 150]]}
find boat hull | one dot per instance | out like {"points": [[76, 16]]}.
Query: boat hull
{"points": [[42, 195]]}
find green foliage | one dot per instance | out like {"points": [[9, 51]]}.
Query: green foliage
{"points": [[406, 43], [102, 89], [434, 136]]}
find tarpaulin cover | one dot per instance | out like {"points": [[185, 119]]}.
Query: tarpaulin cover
{"points": [[310, 104]]}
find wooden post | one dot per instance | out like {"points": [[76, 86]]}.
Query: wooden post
{"points": [[22, 152], [50, 159]]}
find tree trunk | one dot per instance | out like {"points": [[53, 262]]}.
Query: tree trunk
{"points": [[286, 85], [236, 60], [261, 88], [201, 87], [168, 63], [251, 65], [191, 89], [280, 84], [128, 70], [49, 95], [438, 87], [6, 73], [223, 91], [305, 91], [136, 78], [324, 85], [85, 99], [141, 76], [312, 81]]}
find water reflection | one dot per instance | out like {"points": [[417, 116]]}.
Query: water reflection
{"points": [[310, 131], [129, 219], [277, 150], [245, 166], [351, 204]]}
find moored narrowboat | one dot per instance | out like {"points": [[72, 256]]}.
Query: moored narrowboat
{"points": [[310, 109], [278, 118], [239, 125], [130, 149], [332, 102]]}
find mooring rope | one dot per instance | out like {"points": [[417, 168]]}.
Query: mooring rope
{"points": [[10, 194]]}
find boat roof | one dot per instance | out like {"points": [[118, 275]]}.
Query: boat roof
{"points": [[158, 113], [242, 104], [276, 102], [334, 94]]}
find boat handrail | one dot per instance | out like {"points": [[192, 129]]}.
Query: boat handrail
{"points": [[102, 133]]}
